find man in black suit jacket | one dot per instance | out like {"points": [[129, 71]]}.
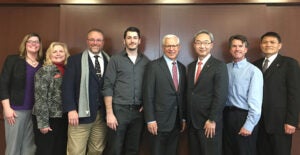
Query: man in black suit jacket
{"points": [[281, 98], [164, 105], [207, 94], [83, 100]]}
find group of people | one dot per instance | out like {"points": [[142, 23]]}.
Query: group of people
{"points": [[91, 103]]}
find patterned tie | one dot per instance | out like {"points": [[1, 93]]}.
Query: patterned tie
{"points": [[198, 71], [97, 66], [265, 66], [175, 76]]}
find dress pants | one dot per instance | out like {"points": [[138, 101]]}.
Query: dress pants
{"points": [[87, 139], [54, 142], [273, 144], [126, 139], [165, 142], [19, 137], [233, 143], [199, 144]]}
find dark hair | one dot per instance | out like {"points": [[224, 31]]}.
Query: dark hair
{"points": [[238, 37], [132, 29], [271, 34], [95, 30]]}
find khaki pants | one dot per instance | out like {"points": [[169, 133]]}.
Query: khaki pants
{"points": [[87, 139]]}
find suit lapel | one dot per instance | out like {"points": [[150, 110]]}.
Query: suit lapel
{"points": [[181, 74], [273, 67], [165, 69], [205, 68]]}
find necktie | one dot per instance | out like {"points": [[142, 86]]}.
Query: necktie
{"points": [[175, 76], [265, 66], [97, 66], [198, 71]]}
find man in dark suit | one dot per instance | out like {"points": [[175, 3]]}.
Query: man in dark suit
{"points": [[281, 98], [207, 94], [163, 92], [82, 97]]}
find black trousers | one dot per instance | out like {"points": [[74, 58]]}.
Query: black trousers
{"points": [[273, 144], [126, 139], [199, 144], [53, 142], [165, 143], [233, 143]]}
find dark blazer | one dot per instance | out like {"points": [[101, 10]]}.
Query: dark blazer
{"points": [[206, 98], [161, 101], [12, 80], [71, 87], [281, 94]]}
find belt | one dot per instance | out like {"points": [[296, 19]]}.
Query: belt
{"points": [[233, 108], [131, 107]]}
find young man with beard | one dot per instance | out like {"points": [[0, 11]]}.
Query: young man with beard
{"points": [[123, 96]]}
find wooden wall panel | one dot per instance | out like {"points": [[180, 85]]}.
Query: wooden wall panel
{"points": [[222, 20], [284, 20], [15, 23], [70, 23], [113, 20]]}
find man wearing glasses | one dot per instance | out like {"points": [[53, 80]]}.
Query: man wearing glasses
{"points": [[206, 95], [82, 97], [164, 94]]}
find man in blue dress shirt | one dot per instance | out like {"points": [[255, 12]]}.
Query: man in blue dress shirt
{"points": [[243, 107]]}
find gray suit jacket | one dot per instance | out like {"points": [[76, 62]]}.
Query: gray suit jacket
{"points": [[162, 103]]}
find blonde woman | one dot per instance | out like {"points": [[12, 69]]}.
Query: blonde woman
{"points": [[50, 123], [17, 95]]}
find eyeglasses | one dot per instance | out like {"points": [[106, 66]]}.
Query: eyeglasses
{"points": [[95, 40], [204, 43], [171, 46], [33, 42]]}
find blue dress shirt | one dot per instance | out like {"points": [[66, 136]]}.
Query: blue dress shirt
{"points": [[245, 90]]}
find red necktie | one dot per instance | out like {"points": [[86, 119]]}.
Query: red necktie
{"points": [[175, 76], [198, 71]]}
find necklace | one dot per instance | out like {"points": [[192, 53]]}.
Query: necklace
{"points": [[33, 62]]}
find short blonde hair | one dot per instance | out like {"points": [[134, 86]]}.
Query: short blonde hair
{"points": [[50, 50]]}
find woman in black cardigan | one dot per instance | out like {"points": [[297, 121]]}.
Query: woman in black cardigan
{"points": [[17, 95]]}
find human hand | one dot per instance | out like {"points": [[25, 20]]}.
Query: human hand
{"points": [[244, 132], [10, 115], [210, 129], [152, 127], [289, 129], [45, 130], [111, 121], [73, 118]]}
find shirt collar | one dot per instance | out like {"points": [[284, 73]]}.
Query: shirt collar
{"points": [[168, 60], [272, 58], [205, 59], [92, 54], [240, 64]]}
